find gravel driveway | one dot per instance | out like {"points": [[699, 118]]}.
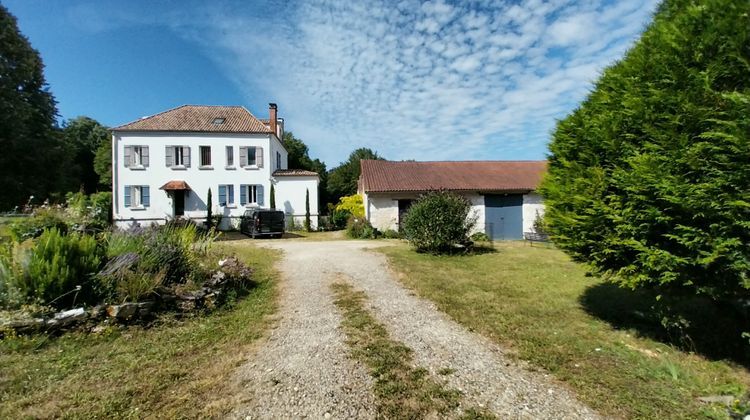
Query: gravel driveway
{"points": [[303, 368]]}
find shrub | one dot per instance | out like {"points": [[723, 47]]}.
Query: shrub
{"points": [[648, 178], [339, 219], [351, 204], [360, 229], [34, 225], [56, 269], [392, 234], [307, 225], [438, 221], [480, 237], [89, 213]]}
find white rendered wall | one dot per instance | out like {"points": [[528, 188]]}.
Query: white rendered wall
{"points": [[290, 198], [532, 205], [199, 179], [381, 209]]}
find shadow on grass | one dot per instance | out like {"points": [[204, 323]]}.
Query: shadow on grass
{"points": [[696, 324]]}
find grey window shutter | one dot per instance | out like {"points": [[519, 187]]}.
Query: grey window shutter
{"points": [[145, 196], [170, 156], [127, 196], [128, 155], [259, 157], [259, 192], [243, 156], [186, 156], [144, 156], [243, 194]]}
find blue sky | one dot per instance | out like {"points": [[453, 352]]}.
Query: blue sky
{"points": [[413, 80]]}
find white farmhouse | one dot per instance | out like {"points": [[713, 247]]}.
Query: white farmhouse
{"points": [[164, 165], [502, 193]]}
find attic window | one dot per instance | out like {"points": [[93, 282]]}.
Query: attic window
{"points": [[219, 121]]}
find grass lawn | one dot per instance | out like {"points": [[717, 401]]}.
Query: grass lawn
{"points": [[602, 341], [177, 368]]}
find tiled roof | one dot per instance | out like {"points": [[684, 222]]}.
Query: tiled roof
{"points": [[199, 118], [386, 176], [294, 172], [175, 185]]}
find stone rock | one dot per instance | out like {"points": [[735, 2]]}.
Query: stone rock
{"points": [[122, 312], [145, 308], [98, 311], [720, 399], [67, 317]]}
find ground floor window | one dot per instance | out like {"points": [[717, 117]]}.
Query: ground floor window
{"points": [[226, 195], [251, 194], [137, 196]]}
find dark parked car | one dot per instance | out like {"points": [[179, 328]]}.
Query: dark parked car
{"points": [[262, 222]]}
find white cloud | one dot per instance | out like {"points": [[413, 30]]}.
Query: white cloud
{"points": [[419, 80]]}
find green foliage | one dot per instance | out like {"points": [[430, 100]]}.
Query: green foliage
{"points": [[55, 269], [438, 221], [648, 179], [103, 163], [392, 234], [34, 225], [84, 137], [273, 197], [307, 225], [141, 260], [33, 155], [351, 204], [342, 180], [360, 228], [480, 237], [209, 210], [88, 212], [299, 158]]}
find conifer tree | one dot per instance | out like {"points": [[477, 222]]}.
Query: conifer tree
{"points": [[649, 179]]}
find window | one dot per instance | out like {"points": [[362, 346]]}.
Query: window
{"points": [[205, 155], [251, 156], [137, 196], [136, 156], [178, 156], [251, 194], [226, 195], [219, 121], [230, 156], [278, 160]]}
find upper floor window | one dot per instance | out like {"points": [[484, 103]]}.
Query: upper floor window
{"points": [[230, 156], [178, 156], [278, 160], [251, 156], [205, 155], [136, 156]]}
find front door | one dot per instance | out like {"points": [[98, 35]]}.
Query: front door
{"points": [[503, 216], [179, 202]]}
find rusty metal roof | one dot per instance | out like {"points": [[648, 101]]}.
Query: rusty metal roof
{"points": [[387, 176], [176, 185], [200, 118]]}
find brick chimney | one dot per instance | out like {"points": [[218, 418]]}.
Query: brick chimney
{"points": [[273, 118]]}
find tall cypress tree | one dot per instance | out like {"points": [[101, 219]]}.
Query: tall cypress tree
{"points": [[649, 180], [32, 152]]}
